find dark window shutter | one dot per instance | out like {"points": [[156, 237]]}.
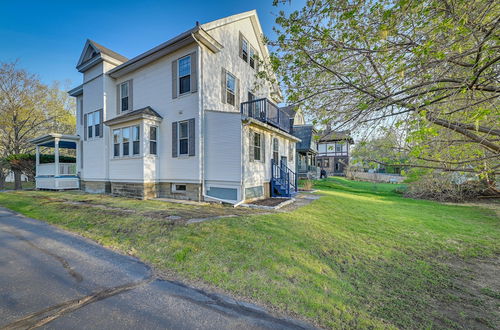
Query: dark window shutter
{"points": [[81, 154], [263, 148], [130, 95], [237, 93], [194, 72], [174, 79], [241, 45], [223, 85], [251, 146], [118, 100], [101, 117], [85, 130], [174, 139], [81, 111], [192, 140]]}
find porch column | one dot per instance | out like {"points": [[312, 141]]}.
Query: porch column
{"points": [[78, 160], [37, 158], [56, 156]]}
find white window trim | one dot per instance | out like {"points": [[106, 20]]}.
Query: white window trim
{"points": [[227, 88], [131, 143], [261, 155], [89, 115], [149, 140], [179, 76], [174, 188], [179, 138]]}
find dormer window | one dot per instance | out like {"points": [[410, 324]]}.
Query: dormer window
{"points": [[184, 75], [124, 95]]}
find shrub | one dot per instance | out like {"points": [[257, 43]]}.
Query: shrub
{"points": [[446, 187], [307, 184]]}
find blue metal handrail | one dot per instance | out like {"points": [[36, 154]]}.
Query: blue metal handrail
{"points": [[284, 176]]}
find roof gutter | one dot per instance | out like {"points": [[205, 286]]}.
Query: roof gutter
{"points": [[166, 48]]}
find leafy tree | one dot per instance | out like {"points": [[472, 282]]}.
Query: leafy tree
{"points": [[429, 68], [28, 109]]}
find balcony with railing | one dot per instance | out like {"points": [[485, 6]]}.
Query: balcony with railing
{"points": [[267, 112]]}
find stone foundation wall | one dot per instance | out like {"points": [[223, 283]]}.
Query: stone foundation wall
{"points": [[134, 189], [143, 190], [96, 187], [193, 191]]}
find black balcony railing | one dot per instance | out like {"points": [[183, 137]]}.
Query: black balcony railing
{"points": [[267, 112]]}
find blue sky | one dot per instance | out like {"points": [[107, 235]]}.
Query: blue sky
{"points": [[47, 36]]}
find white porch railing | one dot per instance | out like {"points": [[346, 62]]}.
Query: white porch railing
{"points": [[50, 169]]}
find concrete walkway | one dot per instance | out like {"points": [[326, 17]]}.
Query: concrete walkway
{"points": [[50, 278]]}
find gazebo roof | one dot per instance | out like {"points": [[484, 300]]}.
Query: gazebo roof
{"points": [[48, 140]]}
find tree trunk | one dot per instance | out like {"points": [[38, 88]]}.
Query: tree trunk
{"points": [[2, 179], [17, 180]]}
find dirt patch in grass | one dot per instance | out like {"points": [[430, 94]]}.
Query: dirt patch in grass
{"points": [[269, 202], [473, 300]]}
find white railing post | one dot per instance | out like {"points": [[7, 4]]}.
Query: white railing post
{"points": [[37, 159], [56, 157]]}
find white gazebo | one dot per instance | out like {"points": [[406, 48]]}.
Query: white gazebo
{"points": [[57, 175]]}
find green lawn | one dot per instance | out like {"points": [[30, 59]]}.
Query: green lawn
{"points": [[361, 256]]}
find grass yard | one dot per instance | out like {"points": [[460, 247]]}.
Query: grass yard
{"points": [[361, 256]]}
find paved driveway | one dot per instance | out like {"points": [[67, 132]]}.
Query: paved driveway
{"points": [[50, 278]]}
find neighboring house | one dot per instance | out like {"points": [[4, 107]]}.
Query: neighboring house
{"points": [[307, 150], [187, 119], [333, 151], [10, 177]]}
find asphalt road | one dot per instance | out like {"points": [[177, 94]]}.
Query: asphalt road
{"points": [[50, 278]]}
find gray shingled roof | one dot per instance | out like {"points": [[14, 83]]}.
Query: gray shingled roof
{"points": [[305, 133], [289, 110], [109, 52], [330, 135], [136, 114]]}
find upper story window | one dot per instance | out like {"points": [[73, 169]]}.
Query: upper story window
{"points": [[153, 138], [124, 96], [252, 58], [185, 74], [244, 50], [338, 147], [93, 124], [230, 88], [247, 52], [183, 138], [126, 141]]}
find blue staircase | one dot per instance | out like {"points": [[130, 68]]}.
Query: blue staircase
{"points": [[283, 180]]}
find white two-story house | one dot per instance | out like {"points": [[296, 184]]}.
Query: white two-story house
{"points": [[188, 119]]}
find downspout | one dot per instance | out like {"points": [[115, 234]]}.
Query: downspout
{"points": [[201, 114]]}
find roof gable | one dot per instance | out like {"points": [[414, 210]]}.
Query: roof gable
{"points": [[94, 53]]}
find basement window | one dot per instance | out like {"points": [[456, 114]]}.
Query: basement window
{"points": [[179, 188]]}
